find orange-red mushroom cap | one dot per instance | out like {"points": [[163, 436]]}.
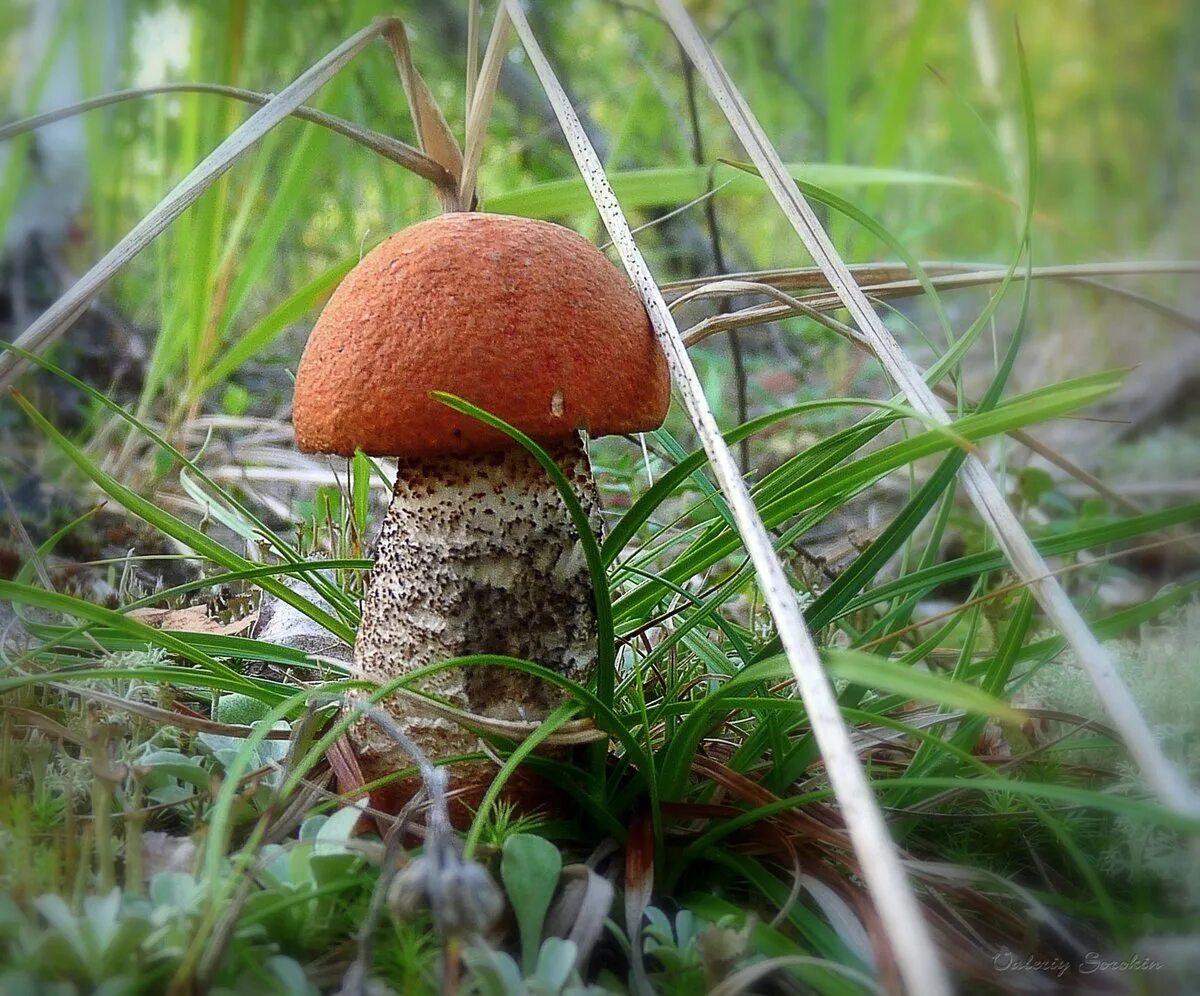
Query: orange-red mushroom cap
{"points": [[525, 319]]}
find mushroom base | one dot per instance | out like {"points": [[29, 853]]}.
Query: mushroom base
{"points": [[525, 792], [476, 556]]}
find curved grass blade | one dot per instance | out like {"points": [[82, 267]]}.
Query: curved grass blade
{"points": [[681, 750], [1084, 538], [390, 148], [327, 590], [662, 186], [64, 636], [847, 209], [785, 492], [605, 638], [903, 680], [1132, 809], [53, 601], [500, 779], [239, 648], [854, 578], [264, 331], [267, 692], [640, 511], [191, 537]]}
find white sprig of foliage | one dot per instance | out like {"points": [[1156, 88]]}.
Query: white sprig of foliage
{"points": [[1163, 666]]}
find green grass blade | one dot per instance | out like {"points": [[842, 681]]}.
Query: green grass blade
{"points": [[172, 526], [263, 332], [890, 676], [605, 636], [52, 601]]}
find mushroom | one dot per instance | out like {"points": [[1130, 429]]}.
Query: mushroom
{"points": [[478, 553]]}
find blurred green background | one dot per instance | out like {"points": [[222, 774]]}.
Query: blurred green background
{"points": [[924, 93]]}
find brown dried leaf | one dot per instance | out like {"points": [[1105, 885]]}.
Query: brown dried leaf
{"points": [[433, 133], [192, 619]]}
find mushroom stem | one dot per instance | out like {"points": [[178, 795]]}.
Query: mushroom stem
{"points": [[477, 555]]}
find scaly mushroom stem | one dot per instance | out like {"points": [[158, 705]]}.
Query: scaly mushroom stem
{"points": [[477, 555]]}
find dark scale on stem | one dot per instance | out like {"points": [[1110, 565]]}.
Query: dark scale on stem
{"points": [[478, 556]]}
